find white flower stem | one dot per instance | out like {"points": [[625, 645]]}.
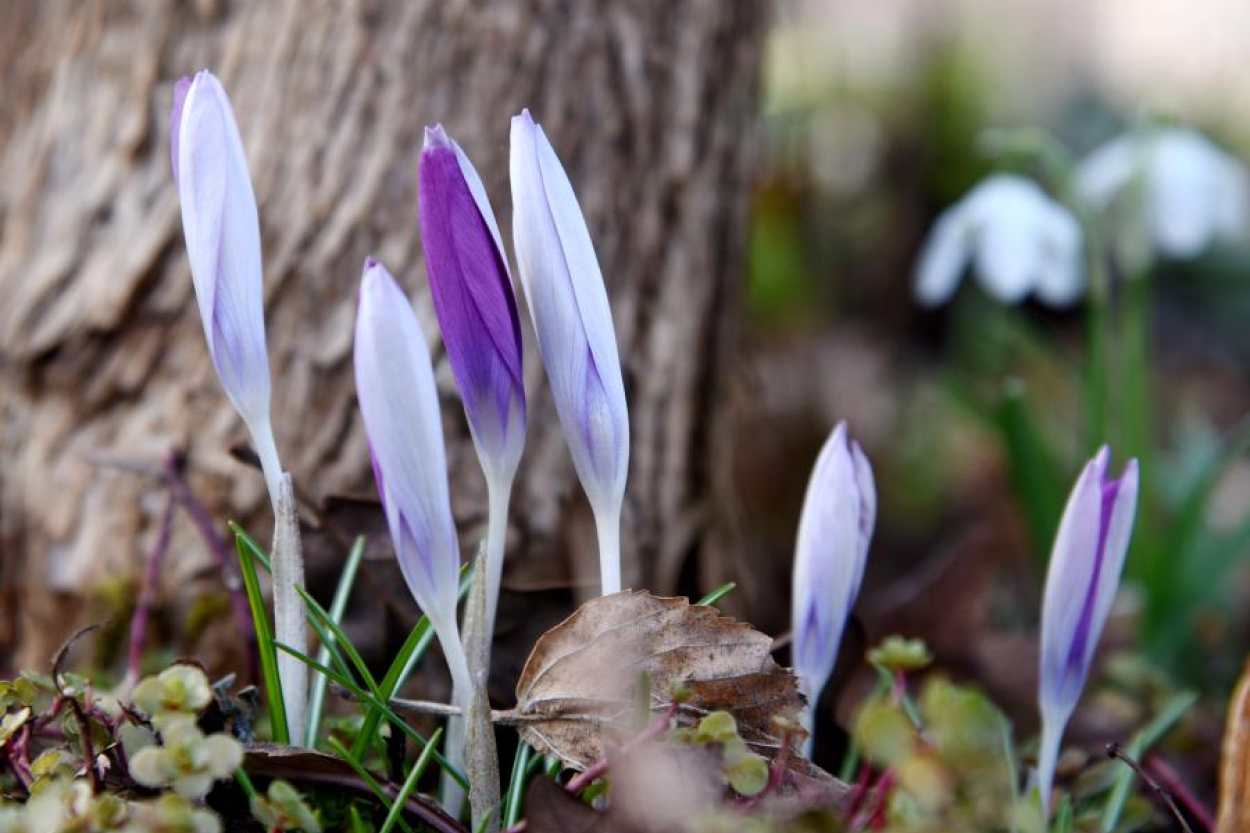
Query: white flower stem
{"points": [[267, 451], [288, 609], [608, 524], [499, 494], [452, 795]]}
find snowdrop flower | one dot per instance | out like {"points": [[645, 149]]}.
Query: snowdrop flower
{"points": [[569, 306], [1019, 240], [223, 244], [399, 404], [835, 529], [478, 316], [1187, 192], [1085, 565]]}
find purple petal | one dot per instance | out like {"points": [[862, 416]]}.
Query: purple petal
{"points": [[1081, 583], [835, 530], [473, 299]]}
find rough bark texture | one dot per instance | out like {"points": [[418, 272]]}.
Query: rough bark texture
{"points": [[650, 104]]}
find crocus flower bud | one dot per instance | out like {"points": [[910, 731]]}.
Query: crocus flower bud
{"points": [[399, 404], [1019, 240], [835, 529], [1081, 583], [223, 245], [474, 301], [573, 323]]}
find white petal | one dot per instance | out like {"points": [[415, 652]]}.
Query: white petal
{"points": [[399, 404], [572, 320], [1103, 174], [944, 256], [223, 244], [1185, 174], [1061, 279]]}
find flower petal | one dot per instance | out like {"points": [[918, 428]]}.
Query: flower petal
{"points": [[399, 404], [572, 319]]}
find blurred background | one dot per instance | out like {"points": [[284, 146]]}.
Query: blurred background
{"points": [[759, 179]]}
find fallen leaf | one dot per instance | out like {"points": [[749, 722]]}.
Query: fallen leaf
{"points": [[1234, 812], [576, 694]]}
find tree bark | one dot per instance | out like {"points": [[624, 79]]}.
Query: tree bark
{"points": [[650, 104]]}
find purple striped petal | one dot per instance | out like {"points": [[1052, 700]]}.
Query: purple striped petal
{"points": [[835, 530], [572, 320], [1081, 583], [223, 242], [474, 300], [399, 404]]}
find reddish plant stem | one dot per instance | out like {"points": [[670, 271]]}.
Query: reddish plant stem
{"points": [[596, 770], [1170, 780], [776, 774], [872, 808], [181, 491], [88, 751], [147, 594], [19, 758], [859, 792]]}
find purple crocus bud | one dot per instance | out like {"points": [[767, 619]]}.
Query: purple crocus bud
{"points": [[478, 316], [573, 324], [835, 529], [474, 301], [223, 245], [399, 404], [1081, 583]]}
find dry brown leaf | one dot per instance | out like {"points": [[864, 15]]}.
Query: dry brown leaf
{"points": [[576, 693], [1234, 813]]}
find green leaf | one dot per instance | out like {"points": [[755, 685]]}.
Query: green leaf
{"points": [[405, 661], [1146, 737], [347, 580], [369, 698], [515, 797], [366, 776], [410, 784], [718, 594], [249, 553]]}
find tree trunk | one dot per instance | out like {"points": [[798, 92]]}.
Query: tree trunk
{"points": [[649, 103]]}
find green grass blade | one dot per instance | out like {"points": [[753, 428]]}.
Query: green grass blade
{"points": [[339, 640], [718, 594], [405, 661], [1031, 467], [1145, 738], [347, 580], [516, 784], [371, 700], [366, 776], [264, 640], [410, 784], [256, 550]]}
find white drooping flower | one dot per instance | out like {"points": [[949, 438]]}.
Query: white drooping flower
{"points": [[1173, 187], [1018, 240]]}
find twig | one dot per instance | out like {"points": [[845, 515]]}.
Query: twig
{"points": [[1168, 778], [63, 651], [147, 594], [1114, 750], [596, 770]]}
